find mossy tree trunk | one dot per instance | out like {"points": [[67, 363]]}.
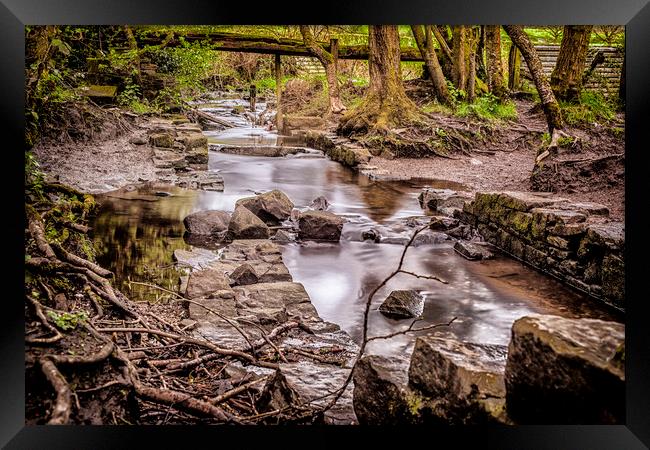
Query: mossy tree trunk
{"points": [[473, 37], [459, 57], [566, 79], [386, 104], [424, 41], [549, 102], [494, 63], [328, 61]]}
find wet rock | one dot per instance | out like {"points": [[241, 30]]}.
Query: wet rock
{"points": [[269, 151], [442, 223], [472, 251], [204, 282], [613, 278], [610, 235], [274, 299], [284, 236], [206, 181], [381, 393], [138, 140], [465, 379], [243, 275], [164, 159], [188, 324], [438, 199], [563, 370], [246, 225], [272, 207], [402, 304], [320, 225], [587, 208], [460, 232], [213, 223], [163, 139], [196, 258], [429, 237], [277, 394], [371, 235], [320, 204]]}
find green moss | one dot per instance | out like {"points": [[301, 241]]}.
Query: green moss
{"points": [[415, 403], [520, 222]]}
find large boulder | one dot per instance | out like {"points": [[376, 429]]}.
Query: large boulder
{"points": [[271, 207], [402, 305], [320, 225], [210, 223], [465, 380], [381, 393], [566, 371], [246, 225]]}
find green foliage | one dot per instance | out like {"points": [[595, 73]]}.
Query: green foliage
{"points": [[34, 177], [67, 321], [488, 107], [593, 107]]}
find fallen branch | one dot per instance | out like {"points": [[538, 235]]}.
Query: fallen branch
{"points": [[190, 340]]}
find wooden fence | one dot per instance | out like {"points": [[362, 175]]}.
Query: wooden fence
{"points": [[605, 77]]}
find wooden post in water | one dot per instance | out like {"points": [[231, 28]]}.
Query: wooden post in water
{"points": [[278, 93]]}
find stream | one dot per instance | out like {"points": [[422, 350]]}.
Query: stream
{"points": [[136, 233]]}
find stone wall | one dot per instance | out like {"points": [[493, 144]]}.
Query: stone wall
{"points": [[575, 242]]}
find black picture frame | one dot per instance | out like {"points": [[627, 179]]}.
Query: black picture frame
{"points": [[635, 14]]}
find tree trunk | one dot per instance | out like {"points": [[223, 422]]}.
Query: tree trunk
{"points": [[494, 64], [566, 79], [549, 103], [473, 36], [279, 117], [386, 104], [327, 60], [459, 57], [424, 41], [442, 42]]}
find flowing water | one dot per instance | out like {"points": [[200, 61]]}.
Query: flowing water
{"points": [[137, 232]]}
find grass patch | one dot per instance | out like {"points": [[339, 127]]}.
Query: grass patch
{"points": [[487, 107], [593, 107]]}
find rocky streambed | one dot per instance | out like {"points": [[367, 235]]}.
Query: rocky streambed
{"points": [[292, 243]]}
